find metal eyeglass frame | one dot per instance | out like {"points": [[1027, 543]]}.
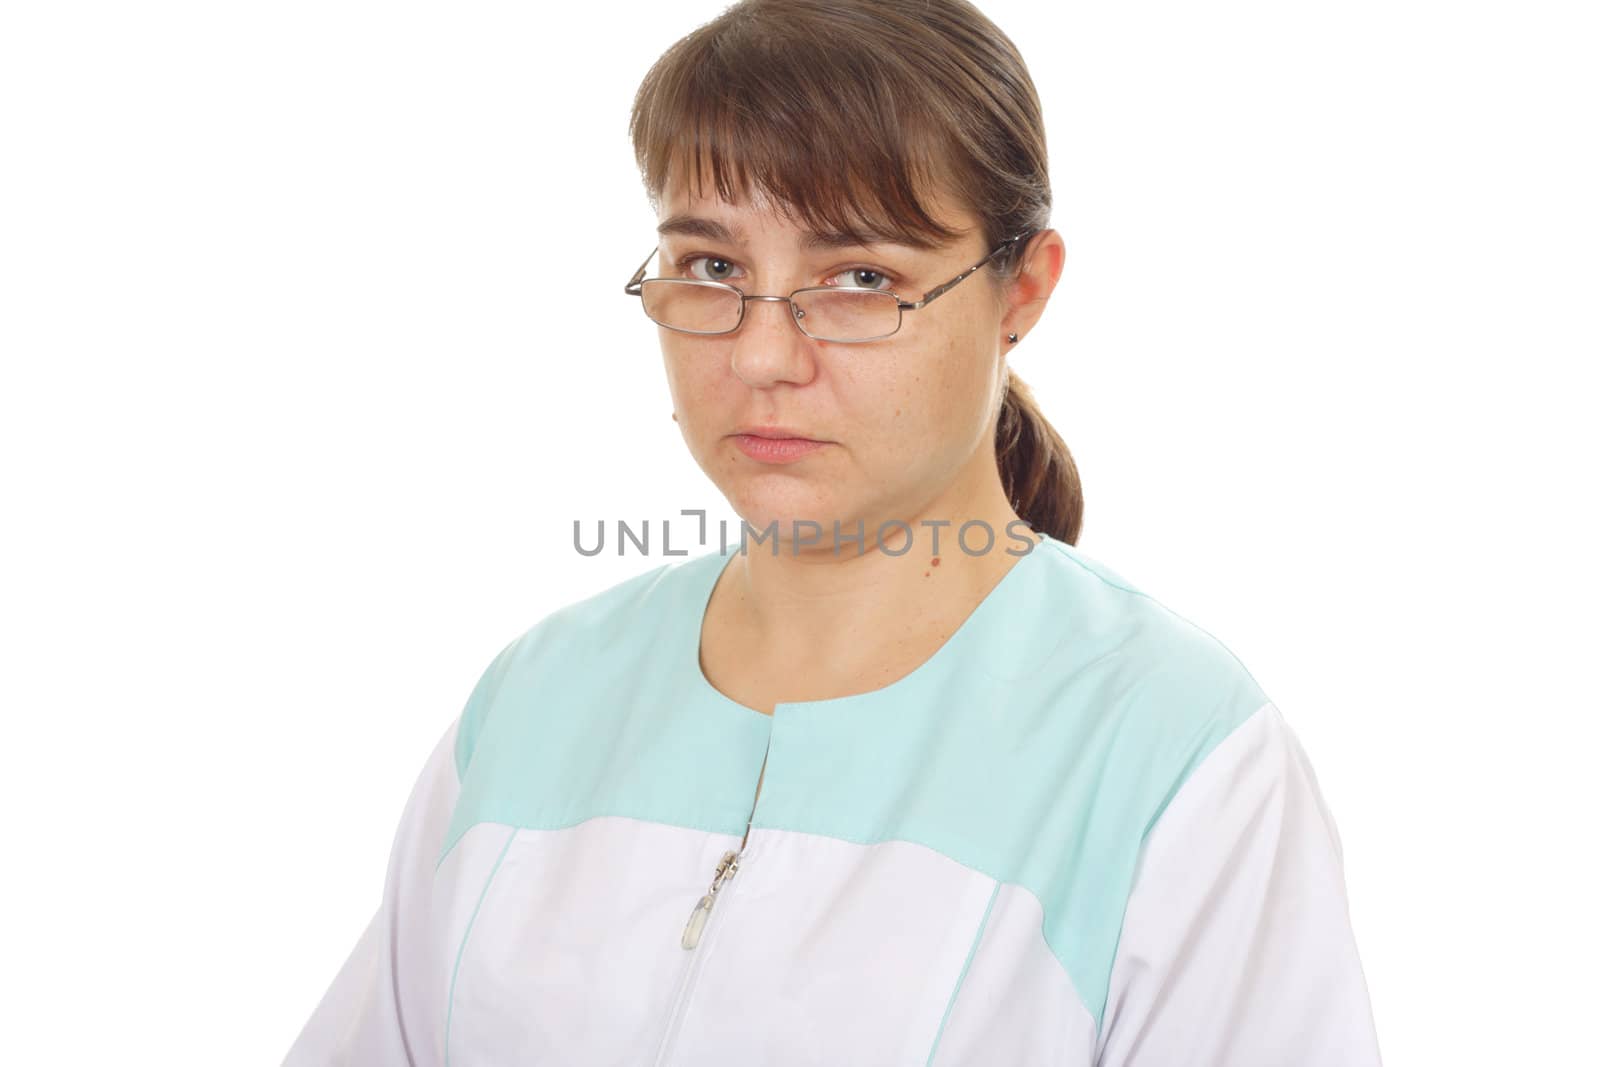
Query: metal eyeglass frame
{"points": [[635, 287]]}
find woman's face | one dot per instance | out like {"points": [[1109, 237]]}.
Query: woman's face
{"points": [[907, 421]]}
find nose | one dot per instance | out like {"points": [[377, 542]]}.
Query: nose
{"points": [[769, 347]]}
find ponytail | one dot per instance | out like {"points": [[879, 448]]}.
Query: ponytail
{"points": [[1037, 471]]}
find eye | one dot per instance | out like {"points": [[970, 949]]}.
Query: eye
{"points": [[721, 269], [718, 269], [864, 278]]}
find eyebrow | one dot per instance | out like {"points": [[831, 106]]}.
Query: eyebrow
{"points": [[813, 240]]}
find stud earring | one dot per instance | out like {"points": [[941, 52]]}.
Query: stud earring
{"points": [[1011, 337]]}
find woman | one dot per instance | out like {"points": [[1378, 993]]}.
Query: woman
{"points": [[870, 798]]}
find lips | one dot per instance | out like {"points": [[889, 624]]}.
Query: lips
{"points": [[776, 433], [767, 449]]}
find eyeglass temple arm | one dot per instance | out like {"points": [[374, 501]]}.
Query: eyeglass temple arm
{"points": [[935, 293], [633, 288]]}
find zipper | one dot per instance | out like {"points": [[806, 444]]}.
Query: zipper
{"points": [[697, 918], [727, 867], [694, 931]]}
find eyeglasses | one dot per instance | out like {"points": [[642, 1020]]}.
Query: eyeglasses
{"points": [[823, 312]]}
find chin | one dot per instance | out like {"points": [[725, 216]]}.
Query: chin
{"points": [[763, 506]]}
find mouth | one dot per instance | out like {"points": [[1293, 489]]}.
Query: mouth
{"points": [[776, 433], [775, 444]]}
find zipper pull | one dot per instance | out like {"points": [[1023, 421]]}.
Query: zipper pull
{"points": [[697, 917]]}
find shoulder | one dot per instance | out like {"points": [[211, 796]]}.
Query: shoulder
{"points": [[1116, 701], [1091, 613], [1146, 689], [599, 632]]}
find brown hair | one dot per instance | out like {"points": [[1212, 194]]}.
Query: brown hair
{"points": [[847, 115]]}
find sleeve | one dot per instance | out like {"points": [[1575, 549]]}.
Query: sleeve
{"points": [[1236, 946], [380, 1010]]}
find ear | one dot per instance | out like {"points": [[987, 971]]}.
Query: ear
{"points": [[1042, 261]]}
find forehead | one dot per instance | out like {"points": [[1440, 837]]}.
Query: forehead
{"points": [[752, 215]]}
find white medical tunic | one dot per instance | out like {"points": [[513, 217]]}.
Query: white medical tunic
{"points": [[1079, 834]]}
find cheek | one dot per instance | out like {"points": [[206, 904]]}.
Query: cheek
{"points": [[918, 406], [962, 380], [691, 375], [704, 400]]}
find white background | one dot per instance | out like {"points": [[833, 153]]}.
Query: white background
{"points": [[314, 345]]}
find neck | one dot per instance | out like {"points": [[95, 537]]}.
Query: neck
{"points": [[871, 612]]}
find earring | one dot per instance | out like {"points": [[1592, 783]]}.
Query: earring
{"points": [[674, 416], [1011, 337]]}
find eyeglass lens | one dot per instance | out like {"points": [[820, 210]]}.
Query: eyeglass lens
{"points": [[833, 314]]}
